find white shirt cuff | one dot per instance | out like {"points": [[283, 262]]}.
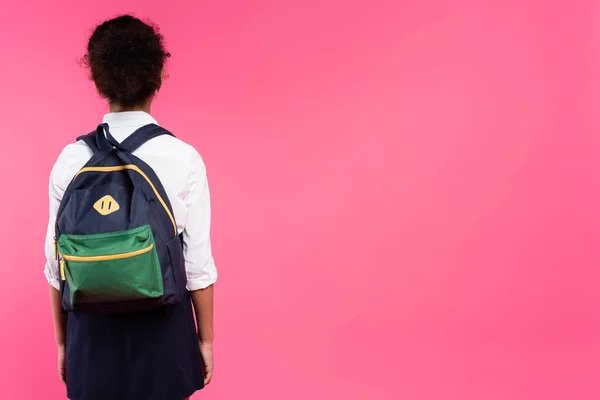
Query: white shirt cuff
{"points": [[53, 281], [202, 279], [200, 283]]}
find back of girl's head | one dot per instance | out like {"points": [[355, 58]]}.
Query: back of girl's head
{"points": [[126, 58]]}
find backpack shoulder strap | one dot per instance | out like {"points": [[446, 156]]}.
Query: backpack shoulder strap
{"points": [[142, 135], [91, 141]]}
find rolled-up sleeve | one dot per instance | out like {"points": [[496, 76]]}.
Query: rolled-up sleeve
{"points": [[56, 192], [199, 262]]}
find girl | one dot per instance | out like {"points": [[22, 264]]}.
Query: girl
{"points": [[149, 355]]}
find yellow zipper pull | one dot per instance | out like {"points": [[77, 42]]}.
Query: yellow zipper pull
{"points": [[62, 269], [55, 250]]}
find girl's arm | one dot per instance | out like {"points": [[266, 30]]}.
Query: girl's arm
{"points": [[60, 319], [60, 327], [203, 307], [200, 266], [66, 166]]}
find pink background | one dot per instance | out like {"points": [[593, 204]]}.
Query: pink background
{"points": [[405, 193]]}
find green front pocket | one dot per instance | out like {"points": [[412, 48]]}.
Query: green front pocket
{"points": [[109, 267]]}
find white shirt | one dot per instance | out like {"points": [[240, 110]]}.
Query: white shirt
{"points": [[182, 173]]}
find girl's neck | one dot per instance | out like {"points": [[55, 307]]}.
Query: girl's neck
{"points": [[116, 108]]}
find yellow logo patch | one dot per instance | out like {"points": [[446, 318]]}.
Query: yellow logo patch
{"points": [[106, 205]]}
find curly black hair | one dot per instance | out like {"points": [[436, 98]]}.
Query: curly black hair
{"points": [[126, 58]]}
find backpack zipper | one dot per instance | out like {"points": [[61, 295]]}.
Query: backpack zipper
{"points": [[109, 257], [135, 168]]}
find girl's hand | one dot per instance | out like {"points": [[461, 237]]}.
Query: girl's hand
{"points": [[206, 349]]}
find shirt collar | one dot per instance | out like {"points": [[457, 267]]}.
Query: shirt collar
{"points": [[128, 118]]}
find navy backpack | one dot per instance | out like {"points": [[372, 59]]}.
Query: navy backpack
{"points": [[116, 237]]}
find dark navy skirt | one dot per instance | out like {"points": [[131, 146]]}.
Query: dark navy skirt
{"points": [[152, 355]]}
